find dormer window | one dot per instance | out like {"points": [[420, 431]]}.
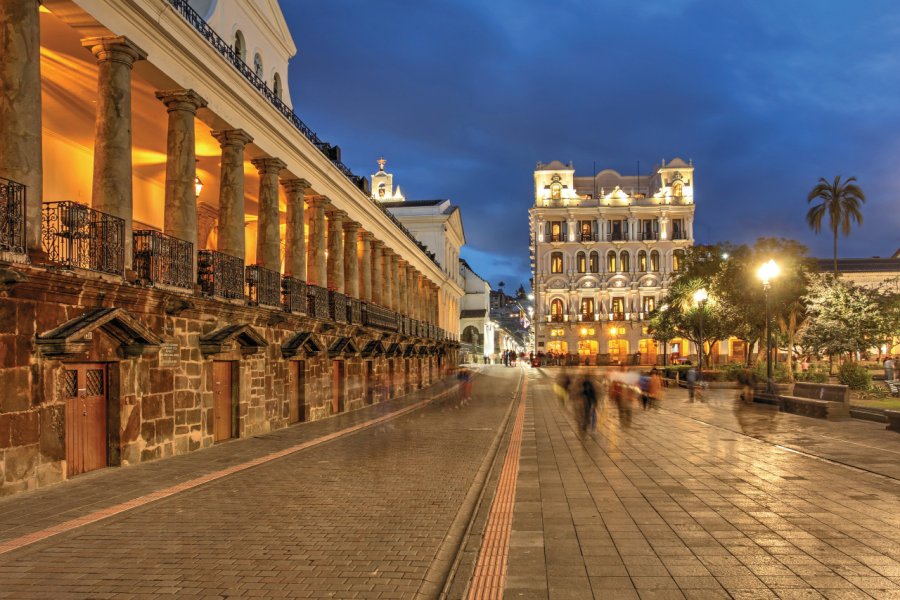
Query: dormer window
{"points": [[258, 65], [240, 47]]}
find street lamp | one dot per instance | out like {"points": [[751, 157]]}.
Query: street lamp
{"points": [[766, 272], [700, 298]]}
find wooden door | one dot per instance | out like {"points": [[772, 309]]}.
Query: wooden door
{"points": [[222, 400], [298, 390], [370, 383], [85, 395], [390, 364], [337, 386]]}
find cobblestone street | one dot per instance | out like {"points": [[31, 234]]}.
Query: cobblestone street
{"points": [[691, 501]]}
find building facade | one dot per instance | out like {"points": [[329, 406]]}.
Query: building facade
{"points": [[183, 259], [476, 327], [604, 249]]}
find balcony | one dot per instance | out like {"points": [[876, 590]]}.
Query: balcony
{"points": [[220, 275], [679, 235], [317, 302], [293, 295], [589, 237], [618, 316], [263, 287], [557, 237], [380, 317], [618, 236], [649, 235], [337, 306], [354, 311], [556, 318], [161, 259], [12, 216], [77, 236]]}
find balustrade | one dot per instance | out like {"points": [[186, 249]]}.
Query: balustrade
{"points": [[75, 235], [293, 295], [263, 286], [317, 305], [163, 259], [220, 275], [380, 317], [12, 216], [354, 311], [337, 306]]}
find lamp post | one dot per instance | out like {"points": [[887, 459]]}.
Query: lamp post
{"points": [[766, 273], [700, 297]]}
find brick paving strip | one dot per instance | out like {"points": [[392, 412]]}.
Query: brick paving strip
{"points": [[490, 568], [98, 515]]}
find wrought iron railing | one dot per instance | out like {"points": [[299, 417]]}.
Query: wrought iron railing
{"points": [[354, 311], [337, 306], [380, 317], [220, 274], [556, 318], [618, 236], [589, 237], [75, 235], [679, 235], [163, 259], [317, 302], [293, 295], [330, 151], [649, 235], [263, 286], [12, 216]]}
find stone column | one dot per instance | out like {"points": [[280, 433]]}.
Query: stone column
{"points": [[180, 215], [412, 295], [20, 109], [335, 251], [295, 232], [316, 267], [401, 287], [231, 191], [268, 235], [111, 190], [388, 279], [378, 273], [365, 269], [351, 258]]}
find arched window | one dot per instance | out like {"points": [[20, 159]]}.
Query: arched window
{"points": [[594, 262], [276, 86], [587, 309], [581, 262], [624, 262], [470, 335], [257, 65], [556, 262], [611, 261], [654, 261], [678, 260], [642, 261], [557, 308], [240, 47]]}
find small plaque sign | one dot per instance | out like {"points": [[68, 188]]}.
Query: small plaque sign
{"points": [[169, 355]]}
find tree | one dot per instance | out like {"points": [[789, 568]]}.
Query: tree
{"points": [[841, 201]]}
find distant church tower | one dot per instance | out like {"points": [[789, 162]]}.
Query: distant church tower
{"points": [[383, 185]]}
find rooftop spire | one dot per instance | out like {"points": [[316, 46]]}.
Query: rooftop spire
{"points": [[381, 162]]}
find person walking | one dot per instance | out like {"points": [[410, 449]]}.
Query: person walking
{"points": [[889, 369], [654, 388], [644, 386], [691, 380], [589, 399]]}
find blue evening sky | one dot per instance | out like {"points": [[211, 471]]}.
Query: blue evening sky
{"points": [[463, 97]]}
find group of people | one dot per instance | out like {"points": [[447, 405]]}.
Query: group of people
{"points": [[624, 389]]}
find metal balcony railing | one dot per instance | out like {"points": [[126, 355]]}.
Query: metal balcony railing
{"points": [[649, 235], [556, 318], [354, 311], [337, 306], [618, 236], [317, 302], [293, 295], [12, 216], [75, 235], [380, 317], [263, 287], [617, 316], [557, 237], [163, 259], [220, 275], [679, 235], [589, 237]]}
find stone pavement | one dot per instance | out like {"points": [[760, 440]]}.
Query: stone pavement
{"points": [[362, 516], [674, 507]]}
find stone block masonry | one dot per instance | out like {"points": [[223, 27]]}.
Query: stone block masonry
{"points": [[160, 402]]}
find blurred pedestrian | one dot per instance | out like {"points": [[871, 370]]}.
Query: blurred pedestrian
{"points": [[691, 380], [746, 379], [644, 389], [561, 387], [889, 368], [589, 408], [654, 388]]}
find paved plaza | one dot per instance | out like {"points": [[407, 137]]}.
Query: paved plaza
{"points": [[690, 501]]}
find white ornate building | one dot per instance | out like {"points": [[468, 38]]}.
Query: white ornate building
{"points": [[604, 249]]}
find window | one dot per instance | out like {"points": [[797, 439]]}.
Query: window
{"points": [[587, 230], [649, 229], [594, 262], [678, 232], [556, 310], [557, 231], [257, 65], [611, 261], [678, 260], [618, 309], [624, 262], [581, 262], [556, 188], [642, 261], [649, 304], [654, 261], [276, 86], [556, 262], [616, 231], [240, 48], [587, 309]]}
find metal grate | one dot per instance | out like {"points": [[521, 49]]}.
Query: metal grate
{"points": [[76, 235], [12, 216], [94, 383], [69, 384], [263, 287], [161, 258], [220, 274]]}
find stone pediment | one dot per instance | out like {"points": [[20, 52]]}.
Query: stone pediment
{"points": [[343, 346], [226, 338], [76, 336], [393, 350], [303, 343], [410, 351], [373, 348], [423, 350]]}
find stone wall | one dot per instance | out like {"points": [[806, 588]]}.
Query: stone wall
{"points": [[162, 405]]}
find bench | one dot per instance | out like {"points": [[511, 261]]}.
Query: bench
{"points": [[818, 400], [893, 419], [894, 386]]}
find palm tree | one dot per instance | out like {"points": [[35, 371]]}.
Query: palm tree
{"points": [[841, 201]]}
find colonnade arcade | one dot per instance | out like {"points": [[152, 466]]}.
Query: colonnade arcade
{"points": [[161, 160]]}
